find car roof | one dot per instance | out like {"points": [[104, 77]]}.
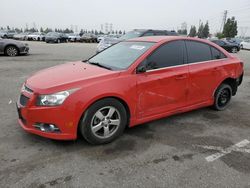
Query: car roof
{"points": [[157, 39]]}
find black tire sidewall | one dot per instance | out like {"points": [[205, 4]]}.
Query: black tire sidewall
{"points": [[217, 94], [85, 124]]}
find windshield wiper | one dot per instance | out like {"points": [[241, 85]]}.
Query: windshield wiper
{"points": [[99, 65]]}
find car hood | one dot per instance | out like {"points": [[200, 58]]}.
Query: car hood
{"points": [[11, 41], [67, 76]]}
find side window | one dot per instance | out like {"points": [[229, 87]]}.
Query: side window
{"points": [[148, 34], [217, 54], [198, 52], [169, 54]]}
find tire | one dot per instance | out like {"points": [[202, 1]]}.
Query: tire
{"points": [[234, 50], [11, 51], [222, 97], [241, 47], [96, 125], [38, 39]]}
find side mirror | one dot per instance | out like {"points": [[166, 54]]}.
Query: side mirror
{"points": [[141, 69]]}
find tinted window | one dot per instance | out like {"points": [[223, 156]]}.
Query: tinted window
{"points": [[217, 54], [198, 52], [148, 34], [170, 54]]}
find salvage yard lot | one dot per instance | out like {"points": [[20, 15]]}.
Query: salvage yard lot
{"points": [[171, 152]]}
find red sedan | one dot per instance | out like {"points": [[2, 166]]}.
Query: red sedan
{"points": [[130, 83]]}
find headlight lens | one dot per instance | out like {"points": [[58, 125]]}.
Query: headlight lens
{"points": [[54, 99]]}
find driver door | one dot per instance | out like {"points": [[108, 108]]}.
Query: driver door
{"points": [[163, 87]]}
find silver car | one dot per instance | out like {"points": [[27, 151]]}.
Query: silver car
{"points": [[11, 47]]}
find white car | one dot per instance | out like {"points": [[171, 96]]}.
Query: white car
{"points": [[74, 37], [36, 36], [245, 45]]}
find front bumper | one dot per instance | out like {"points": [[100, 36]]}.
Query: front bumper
{"points": [[60, 116], [24, 50]]}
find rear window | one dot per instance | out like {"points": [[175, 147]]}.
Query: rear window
{"points": [[198, 52], [217, 54]]}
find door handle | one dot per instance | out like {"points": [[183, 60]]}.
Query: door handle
{"points": [[216, 68], [180, 77]]}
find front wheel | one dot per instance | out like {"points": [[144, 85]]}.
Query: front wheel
{"points": [[11, 51], [104, 121], [222, 97]]}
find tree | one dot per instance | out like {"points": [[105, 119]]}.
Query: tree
{"points": [[219, 35], [47, 30], [8, 27], [205, 31], [230, 28], [182, 31], [41, 30], [192, 32], [200, 31]]}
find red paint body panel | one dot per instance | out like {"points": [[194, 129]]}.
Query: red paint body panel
{"points": [[149, 96]]}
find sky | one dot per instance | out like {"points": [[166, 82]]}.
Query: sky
{"points": [[123, 14]]}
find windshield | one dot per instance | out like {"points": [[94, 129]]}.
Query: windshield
{"points": [[130, 35], [121, 55]]}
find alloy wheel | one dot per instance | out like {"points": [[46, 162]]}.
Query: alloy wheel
{"points": [[11, 51], [105, 122]]}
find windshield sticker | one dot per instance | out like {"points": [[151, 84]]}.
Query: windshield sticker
{"points": [[137, 47]]}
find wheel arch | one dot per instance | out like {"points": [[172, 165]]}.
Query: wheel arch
{"points": [[232, 82], [120, 99], [8, 45]]}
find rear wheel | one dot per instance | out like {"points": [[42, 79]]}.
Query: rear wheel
{"points": [[11, 51], [222, 97], [104, 121]]}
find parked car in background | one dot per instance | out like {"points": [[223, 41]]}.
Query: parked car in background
{"points": [[228, 46], [74, 37], [7, 34], [101, 37], [21, 36], [37, 36], [3, 34], [12, 47], [55, 37], [245, 44], [141, 80], [234, 40], [108, 41], [88, 37]]}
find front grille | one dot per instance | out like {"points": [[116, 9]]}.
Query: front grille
{"points": [[23, 100], [28, 89]]}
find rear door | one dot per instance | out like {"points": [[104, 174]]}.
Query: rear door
{"points": [[163, 87], [205, 66]]}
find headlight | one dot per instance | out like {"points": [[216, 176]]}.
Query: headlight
{"points": [[54, 99]]}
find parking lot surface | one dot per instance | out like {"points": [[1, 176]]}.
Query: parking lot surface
{"points": [[194, 149]]}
